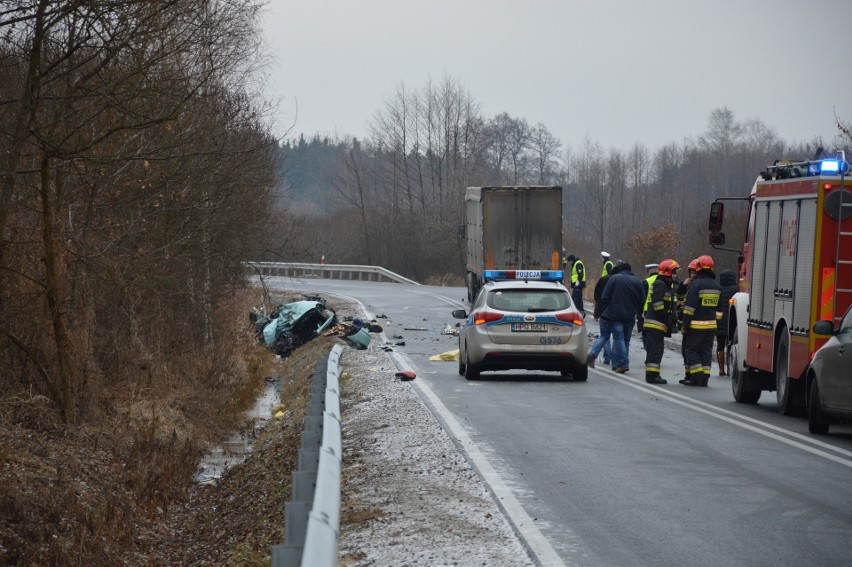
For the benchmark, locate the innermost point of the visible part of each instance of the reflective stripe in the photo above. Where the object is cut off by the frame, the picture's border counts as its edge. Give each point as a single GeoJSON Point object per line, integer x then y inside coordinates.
{"type": "Point", "coordinates": [652, 368]}
{"type": "Point", "coordinates": [688, 310]}
{"type": "Point", "coordinates": [651, 324]}
{"type": "Point", "coordinates": [703, 325]}
{"type": "Point", "coordinates": [709, 297]}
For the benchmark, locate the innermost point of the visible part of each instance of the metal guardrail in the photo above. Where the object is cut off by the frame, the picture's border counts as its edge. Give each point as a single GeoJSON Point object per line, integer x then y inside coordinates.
{"type": "Point", "coordinates": [330, 271]}
{"type": "Point", "coordinates": [312, 517]}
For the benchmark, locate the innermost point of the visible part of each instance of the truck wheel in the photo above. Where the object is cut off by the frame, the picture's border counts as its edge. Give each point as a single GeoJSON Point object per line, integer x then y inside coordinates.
{"type": "Point", "coordinates": [783, 387]}
{"type": "Point", "coordinates": [740, 380]}
{"type": "Point", "coordinates": [817, 423]}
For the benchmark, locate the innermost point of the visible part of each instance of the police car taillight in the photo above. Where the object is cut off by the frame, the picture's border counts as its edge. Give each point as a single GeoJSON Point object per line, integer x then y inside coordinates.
{"type": "Point", "coordinates": [482, 317]}
{"type": "Point", "coordinates": [572, 317]}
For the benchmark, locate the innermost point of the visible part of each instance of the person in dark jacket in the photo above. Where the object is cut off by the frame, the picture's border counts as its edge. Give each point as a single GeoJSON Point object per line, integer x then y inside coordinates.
{"type": "Point", "coordinates": [605, 337]}
{"type": "Point", "coordinates": [700, 315]}
{"type": "Point", "coordinates": [622, 301]}
{"type": "Point", "coordinates": [728, 281]}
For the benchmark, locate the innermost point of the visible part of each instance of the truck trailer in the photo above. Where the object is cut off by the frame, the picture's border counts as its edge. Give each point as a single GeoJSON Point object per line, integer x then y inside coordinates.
{"type": "Point", "coordinates": [511, 228]}
{"type": "Point", "coordinates": [795, 268]}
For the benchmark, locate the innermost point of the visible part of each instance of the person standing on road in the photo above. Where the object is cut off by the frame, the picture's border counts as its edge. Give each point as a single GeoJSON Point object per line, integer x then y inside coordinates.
{"type": "Point", "coordinates": [578, 282]}
{"type": "Point", "coordinates": [681, 289]}
{"type": "Point", "coordinates": [607, 264]}
{"type": "Point", "coordinates": [647, 284]}
{"type": "Point", "coordinates": [660, 319]}
{"type": "Point", "coordinates": [700, 315]}
{"type": "Point", "coordinates": [622, 302]}
{"type": "Point", "coordinates": [604, 338]}
{"type": "Point", "coordinates": [728, 281]}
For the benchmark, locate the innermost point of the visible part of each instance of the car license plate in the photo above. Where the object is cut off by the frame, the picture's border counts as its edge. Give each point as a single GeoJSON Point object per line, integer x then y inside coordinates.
{"type": "Point", "coordinates": [529, 327]}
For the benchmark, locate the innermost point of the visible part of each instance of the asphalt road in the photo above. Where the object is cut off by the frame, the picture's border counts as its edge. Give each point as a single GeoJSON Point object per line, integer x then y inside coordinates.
{"type": "Point", "coordinates": [614, 471]}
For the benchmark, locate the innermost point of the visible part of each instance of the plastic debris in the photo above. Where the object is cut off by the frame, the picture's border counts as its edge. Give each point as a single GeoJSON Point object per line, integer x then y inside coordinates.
{"type": "Point", "coordinates": [448, 356]}
{"type": "Point", "coordinates": [406, 375]}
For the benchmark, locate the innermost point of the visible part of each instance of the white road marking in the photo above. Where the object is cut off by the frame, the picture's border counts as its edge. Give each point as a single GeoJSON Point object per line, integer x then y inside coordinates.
{"type": "Point", "coordinates": [793, 439]}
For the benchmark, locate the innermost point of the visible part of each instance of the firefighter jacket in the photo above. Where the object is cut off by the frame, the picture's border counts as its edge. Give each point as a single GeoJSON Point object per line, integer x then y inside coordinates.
{"type": "Point", "coordinates": [578, 275]}
{"type": "Point", "coordinates": [649, 284]}
{"type": "Point", "coordinates": [661, 308]}
{"type": "Point", "coordinates": [701, 306]}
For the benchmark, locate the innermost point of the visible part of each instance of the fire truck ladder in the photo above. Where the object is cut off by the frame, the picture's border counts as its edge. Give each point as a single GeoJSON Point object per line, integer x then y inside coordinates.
{"type": "Point", "coordinates": [844, 211]}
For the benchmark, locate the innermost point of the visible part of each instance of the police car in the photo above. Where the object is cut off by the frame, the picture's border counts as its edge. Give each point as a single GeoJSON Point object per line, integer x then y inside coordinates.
{"type": "Point", "coordinates": [523, 319]}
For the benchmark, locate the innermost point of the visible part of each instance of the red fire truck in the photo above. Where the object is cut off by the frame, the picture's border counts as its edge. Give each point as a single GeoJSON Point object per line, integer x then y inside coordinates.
{"type": "Point", "coordinates": [795, 268]}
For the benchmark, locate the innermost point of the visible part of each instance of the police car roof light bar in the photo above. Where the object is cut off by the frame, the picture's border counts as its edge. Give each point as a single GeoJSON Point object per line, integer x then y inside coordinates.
{"type": "Point", "coordinates": [543, 275]}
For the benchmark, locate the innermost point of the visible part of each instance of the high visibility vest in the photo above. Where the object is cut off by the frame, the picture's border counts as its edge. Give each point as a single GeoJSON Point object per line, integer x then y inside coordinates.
{"type": "Point", "coordinates": [606, 268]}
{"type": "Point", "coordinates": [650, 280]}
{"type": "Point", "coordinates": [576, 278]}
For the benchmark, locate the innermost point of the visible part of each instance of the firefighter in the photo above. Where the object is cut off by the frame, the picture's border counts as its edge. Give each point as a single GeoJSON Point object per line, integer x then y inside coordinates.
{"type": "Point", "coordinates": [700, 314]}
{"type": "Point", "coordinates": [660, 318]}
{"type": "Point", "coordinates": [578, 282]}
{"type": "Point", "coordinates": [651, 270]}
{"type": "Point", "coordinates": [681, 289]}
{"type": "Point", "coordinates": [607, 264]}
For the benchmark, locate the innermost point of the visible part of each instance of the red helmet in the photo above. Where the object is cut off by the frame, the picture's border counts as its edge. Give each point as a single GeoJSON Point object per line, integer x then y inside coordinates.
{"type": "Point", "coordinates": [693, 265]}
{"type": "Point", "coordinates": [705, 262]}
{"type": "Point", "coordinates": [667, 267]}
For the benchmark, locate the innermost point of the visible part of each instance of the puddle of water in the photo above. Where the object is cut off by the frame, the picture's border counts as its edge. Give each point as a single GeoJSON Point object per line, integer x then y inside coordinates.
{"type": "Point", "coordinates": [220, 458]}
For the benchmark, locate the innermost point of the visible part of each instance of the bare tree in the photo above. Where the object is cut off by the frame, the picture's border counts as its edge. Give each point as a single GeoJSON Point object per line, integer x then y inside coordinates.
{"type": "Point", "coordinates": [131, 141]}
{"type": "Point", "coordinates": [545, 147]}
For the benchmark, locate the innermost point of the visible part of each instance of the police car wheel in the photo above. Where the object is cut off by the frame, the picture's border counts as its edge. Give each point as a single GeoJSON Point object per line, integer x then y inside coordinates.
{"type": "Point", "coordinates": [578, 373]}
{"type": "Point", "coordinates": [471, 371]}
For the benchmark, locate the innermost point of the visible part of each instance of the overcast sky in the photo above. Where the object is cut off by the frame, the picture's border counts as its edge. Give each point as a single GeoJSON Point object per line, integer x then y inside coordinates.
{"type": "Point", "coordinates": [619, 71]}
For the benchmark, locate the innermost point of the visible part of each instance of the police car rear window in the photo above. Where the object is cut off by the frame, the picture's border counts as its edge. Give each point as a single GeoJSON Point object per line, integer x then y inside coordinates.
{"type": "Point", "coordinates": [528, 300]}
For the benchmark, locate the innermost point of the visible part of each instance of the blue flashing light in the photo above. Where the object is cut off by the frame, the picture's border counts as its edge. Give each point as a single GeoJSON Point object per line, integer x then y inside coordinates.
{"type": "Point", "coordinates": [545, 275]}
{"type": "Point", "coordinates": [829, 166]}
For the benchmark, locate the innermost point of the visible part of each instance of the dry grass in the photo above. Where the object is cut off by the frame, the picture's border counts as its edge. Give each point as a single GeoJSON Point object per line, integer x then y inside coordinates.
{"type": "Point", "coordinates": [77, 495]}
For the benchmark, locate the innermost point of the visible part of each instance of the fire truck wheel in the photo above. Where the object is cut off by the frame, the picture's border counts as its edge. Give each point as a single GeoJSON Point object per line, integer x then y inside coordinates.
{"type": "Point", "coordinates": [740, 380]}
{"type": "Point", "coordinates": [783, 385]}
{"type": "Point", "coordinates": [817, 423]}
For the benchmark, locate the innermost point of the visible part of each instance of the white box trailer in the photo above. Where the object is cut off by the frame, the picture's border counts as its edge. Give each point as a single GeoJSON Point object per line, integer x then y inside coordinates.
{"type": "Point", "coordinates": [512, 228]}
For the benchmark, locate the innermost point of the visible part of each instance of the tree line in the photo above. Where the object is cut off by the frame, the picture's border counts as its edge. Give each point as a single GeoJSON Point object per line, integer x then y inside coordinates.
{"type": "Point", "coordinates": [396, 197]}
{"type": "Point", "coordinates": [137, 174]}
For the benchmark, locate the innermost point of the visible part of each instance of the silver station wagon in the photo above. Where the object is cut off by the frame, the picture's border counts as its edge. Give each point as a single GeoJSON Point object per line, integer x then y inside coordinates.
{"type": "Point", "coordinates": [523, 320]}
